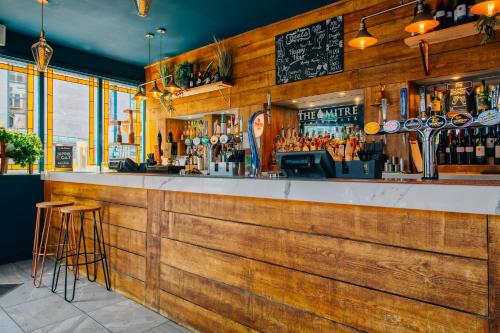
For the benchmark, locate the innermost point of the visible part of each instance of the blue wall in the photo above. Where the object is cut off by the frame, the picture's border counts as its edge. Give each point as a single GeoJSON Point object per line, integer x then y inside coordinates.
{"type": "Point", "coordinates": [18, 196]}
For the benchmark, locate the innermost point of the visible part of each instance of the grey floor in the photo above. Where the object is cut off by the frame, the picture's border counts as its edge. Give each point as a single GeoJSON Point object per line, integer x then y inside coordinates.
{"type": "Point", "coordinates": [95, 310]}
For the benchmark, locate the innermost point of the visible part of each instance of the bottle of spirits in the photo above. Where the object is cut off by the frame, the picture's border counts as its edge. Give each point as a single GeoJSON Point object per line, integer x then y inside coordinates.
{"type": "Point", "coordinates": [470, 16]}
{"type": "Point", "coordinates": [436, 103]}
{"type": "Point", "coordinates": [451, 148]}
{"type": "Point", "coordinates": [449, 14]}
{"type": "Point", "coordinates": [480, 148]}
{"type": "Point", "coordinates": [461, 157]}
{"type": "Point", "coordinates": [483, 98]}
{"type": "Point", "coordinates": [469, 148]}
{"type": "Point", "coordinates": [440, 14]}
{"type": "Point", "coordinates": [490, 143]}
{"type": "Point", "coordinates": [460, 12]}
{"type": "Point", "coordinates": [497, 147]}
{"type": "Point", "coordinates": [441, 150]}
{"type": "Point", "coordinates": [191, 80]}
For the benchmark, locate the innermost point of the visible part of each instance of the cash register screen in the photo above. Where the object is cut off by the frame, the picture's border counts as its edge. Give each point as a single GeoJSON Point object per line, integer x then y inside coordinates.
{"type": "Point", "coordinates": [311, 164]}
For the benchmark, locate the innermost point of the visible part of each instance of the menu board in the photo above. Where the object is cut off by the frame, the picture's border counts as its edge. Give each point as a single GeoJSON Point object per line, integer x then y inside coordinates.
{"type": "Point", "coordinates": [460, 93]}
{"type": "Point", "coordinates": [309, 52]}
{"type": "Point", "coordinates": [64, 157]}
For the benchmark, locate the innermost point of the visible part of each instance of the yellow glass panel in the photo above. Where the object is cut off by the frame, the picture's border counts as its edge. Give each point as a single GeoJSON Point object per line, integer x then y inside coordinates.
{"type": "Point", "coordinates": [91, 121]}
{"type": "Point", "coordinates": [50, 119]}
{"type": "Point", "coordinates": [31, 98]}
{"type": "Point", "coordinates": [105, 122]}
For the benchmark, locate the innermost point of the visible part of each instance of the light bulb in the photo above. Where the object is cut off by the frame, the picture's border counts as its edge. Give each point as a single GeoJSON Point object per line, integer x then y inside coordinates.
{"type": "Point", "coordinates": [421, 28]}
{"type": "Point", "coordinates": [491, 9]}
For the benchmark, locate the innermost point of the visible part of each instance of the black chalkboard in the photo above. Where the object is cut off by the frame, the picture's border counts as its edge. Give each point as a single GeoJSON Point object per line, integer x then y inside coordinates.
{"type": "Point", "coordinates": [309, 52]}
{"type": "Point", "coordinates": [64, 157]}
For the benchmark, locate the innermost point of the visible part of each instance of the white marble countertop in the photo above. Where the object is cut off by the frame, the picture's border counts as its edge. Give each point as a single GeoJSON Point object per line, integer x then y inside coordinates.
{"type": "Point", "coordinates": [463, 198]}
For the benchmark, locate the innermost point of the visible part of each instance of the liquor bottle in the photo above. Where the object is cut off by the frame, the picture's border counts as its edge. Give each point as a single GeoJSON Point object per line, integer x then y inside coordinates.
{"type": "Point", "coordinates": [191, 80]}
{"type": "Point", "coordinates": [483, 98]}
{"type": "Point", "coordinates": [440, 14]}
{"type": "Point", "coordinates": [451, 148]}
{"type": "Point", "coordinates": [490, 143]}
{"type": "Point", "coordinates": [460, 12]}
{"type": "Point", "coordinates": [441, 150]}
{"type": "Point", "coordinates": [449, 14]}
{"type": "Point", "coordinates": [461, 157]}
{"type": "Point", "coordinates": [469, 148]}
{"type": "Point", "coordinates": [436, 103]}
{"type": "Point", "coordinates": [470, 16]}
{"type": "Point", "coordinates": [497, 147]}
{"type": "Point", "coordinates": [480, 148]}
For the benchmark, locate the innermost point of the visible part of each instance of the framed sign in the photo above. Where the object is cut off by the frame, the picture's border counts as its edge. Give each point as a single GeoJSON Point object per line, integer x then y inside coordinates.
{"type": "Point", "coordinates": [333, 115]}
{"type": "Point", "coordinates": [309, 52]}
{"type": "Point", "coordinates": [64, 157]}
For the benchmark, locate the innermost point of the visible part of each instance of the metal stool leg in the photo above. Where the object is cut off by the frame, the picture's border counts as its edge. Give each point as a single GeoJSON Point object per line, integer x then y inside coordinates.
{"type": "Point", "coordinates": [42, 245]}
{"type": "Point", "coordinates": [59, 253]}
{"type": "Point", "coordinates": [102, 251]}
{"type": "Point", "coordinates": [35, 241]}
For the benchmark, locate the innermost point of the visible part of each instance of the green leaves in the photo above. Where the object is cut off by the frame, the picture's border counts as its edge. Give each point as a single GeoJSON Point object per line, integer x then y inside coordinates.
{"type": "Point", "coordinates": [486, 25]}
{"type": "Point", "coordinates": [27, 147]}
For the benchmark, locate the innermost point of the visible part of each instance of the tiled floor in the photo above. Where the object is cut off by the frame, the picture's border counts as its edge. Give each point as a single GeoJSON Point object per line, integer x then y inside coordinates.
{"type": "Point", "coordinates": [95, 310]}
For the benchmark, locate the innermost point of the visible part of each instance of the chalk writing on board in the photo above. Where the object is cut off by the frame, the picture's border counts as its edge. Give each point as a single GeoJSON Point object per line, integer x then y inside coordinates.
{"type": "Point", "coordinates": [309, 52]}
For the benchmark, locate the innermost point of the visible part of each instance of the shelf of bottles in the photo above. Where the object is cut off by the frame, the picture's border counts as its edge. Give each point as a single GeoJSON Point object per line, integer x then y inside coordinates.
{"type": "Point", "coordinates": [218, 153]}
{"type": "Point", "coordinates": [457, 124]}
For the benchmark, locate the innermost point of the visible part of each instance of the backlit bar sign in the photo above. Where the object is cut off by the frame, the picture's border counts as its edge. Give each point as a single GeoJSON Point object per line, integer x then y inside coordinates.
{"type": "Point", "coordinates": [333, 115]}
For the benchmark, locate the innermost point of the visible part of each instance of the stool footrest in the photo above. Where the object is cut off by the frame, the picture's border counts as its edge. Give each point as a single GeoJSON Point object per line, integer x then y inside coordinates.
{"type": "Point", "coordinates": [96, 258]}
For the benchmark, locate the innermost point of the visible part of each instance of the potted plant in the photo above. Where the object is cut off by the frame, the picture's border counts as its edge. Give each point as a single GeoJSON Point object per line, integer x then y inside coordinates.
{"type": "Point", "coordinates": [224, 61]}
{"type": "Point", "coordinates": [6, 138]}
{"type": "Point", "coordinates": [182, 74]}
{"type": "Point", "coordinates": [27, 149]}
{"type": "Point", "coordinates": [166, 98]}
{"type": "Point", "coordinates": [486, 25]}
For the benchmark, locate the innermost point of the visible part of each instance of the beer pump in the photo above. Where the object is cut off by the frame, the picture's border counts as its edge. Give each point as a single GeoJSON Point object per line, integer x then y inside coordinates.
{"type": "Point", "coordinates": [255, 131]}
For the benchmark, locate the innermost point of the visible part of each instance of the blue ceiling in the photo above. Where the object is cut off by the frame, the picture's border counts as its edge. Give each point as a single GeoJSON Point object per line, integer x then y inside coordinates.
{"type": "Point", "coordinates": [112, 29]}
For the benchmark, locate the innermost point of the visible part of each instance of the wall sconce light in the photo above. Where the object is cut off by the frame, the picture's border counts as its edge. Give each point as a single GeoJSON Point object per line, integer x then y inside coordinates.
{"type": "Point", "coordinates": [421, 23]}
{"type": "Point", "coordinates": [487, 8]}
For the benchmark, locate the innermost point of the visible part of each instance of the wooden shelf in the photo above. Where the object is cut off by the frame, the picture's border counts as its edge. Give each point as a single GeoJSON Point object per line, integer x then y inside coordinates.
{"type": "Point", "coordinates": [472, 169]}
{"type": "Point", "coordinates": [439, 36]}
{"type": "Point", "coordinates": [216, 86]}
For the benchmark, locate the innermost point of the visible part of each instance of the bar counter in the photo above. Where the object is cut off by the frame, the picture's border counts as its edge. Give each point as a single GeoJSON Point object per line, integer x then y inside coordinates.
{"type": "Point", "coordinates": [249, 255]}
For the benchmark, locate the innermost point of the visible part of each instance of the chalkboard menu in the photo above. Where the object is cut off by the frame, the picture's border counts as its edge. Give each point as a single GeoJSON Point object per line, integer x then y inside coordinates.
{"type": "Point", "coordinates": [460, 95]}
{"type": "Point", "coordinates": [309, 52]}
{"type": "Point", "coordinates": [64, 157]}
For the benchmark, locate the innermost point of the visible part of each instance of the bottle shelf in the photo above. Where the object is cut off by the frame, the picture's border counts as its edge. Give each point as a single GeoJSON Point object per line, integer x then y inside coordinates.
{"type": "Point", "coordinates": [444, 35]}
{"type": "Point", "coordinates": [468, 168]}
{"type": "Point", "coordinates": [216, 86]}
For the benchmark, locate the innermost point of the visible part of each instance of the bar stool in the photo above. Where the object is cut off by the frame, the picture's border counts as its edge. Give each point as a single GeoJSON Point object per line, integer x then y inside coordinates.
{"type": "Point", "coordinates": [66, 258]}
{"type": "Point", "coordinates": [40, 242]}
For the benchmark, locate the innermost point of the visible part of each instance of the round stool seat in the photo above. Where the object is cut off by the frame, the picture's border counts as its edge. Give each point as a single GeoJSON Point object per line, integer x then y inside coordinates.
{"type": "Point", "coordinates": [80, 209]}
{"type": "Point", "coordinates": [53, 204]}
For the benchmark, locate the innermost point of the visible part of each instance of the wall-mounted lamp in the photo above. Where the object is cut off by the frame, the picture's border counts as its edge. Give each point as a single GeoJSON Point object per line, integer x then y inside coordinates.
{"type": "Point", "coordinates": [421, 23]}
{"type": "Point", "coordinates": [487, 8]}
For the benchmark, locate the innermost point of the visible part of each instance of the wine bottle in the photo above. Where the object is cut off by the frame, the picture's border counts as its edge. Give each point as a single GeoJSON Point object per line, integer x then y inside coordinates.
{"type": "Point", "coordinates": [470, 16]}
{"type": "Point", "coordinates": [461, 157]}
{"type": "Point", "coordinates": [483, 98]}
{"type": "Point", "coordinates": [436, 103]}
{"type": "Point", "coordinates": [490, 143]}
{"type": "Point", "coordinates": [449, 14]}
{"type": "Point", "coordinates": [440, 14]}
{"type": "Point", "coordinates": [460, 12]}
{"type": "Point", "coordinates": [441, 150]}
{"type": "Point", "coordinates": [469, 148]}
{"type": "Point", "coordinates": [497, 147]}
{"type": "Point", "coordinates": [480, 148]}
{"type": "Point", "coordinates": [451, 148]}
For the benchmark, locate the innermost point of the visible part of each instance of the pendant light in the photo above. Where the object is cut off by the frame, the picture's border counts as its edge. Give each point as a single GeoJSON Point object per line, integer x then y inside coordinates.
{"type": "Point", "coordinates": [155, 91]}
{"type": "Point", "coordinates": [142, 7]}
{"type": "Point", "coordinates": [42, 52]}
{"type": "Point", "coordinates": [487, 8]}
{"type": "Point", "coordinates": [140, 95]}
{"type": "Point", "coordinates": [171, 87]}
{"type": "Point", "coordinates": [423, 21]}
{"type": "Point", "coordinates": [363, 38]}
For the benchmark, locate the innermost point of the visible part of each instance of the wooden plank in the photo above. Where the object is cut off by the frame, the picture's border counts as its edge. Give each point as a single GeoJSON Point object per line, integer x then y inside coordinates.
{"type": "Point", "coordinates": [114, 194]}
{"type": "Point", "coordinates": [125, 239]}
{"type": "Point", "coordinates": [494, 272]}
{"type": "Point", "coordinates": [155, 203]}
{"type": "Point", "coordinates": [457, 282]}
{"type": "Point", "coordinates": [196, 317]}
{"type": "Point", "coordinates": [459, 234]}
{"type": "Point", "coordinates": [247, 309]}
{"type": "Point", "coordinates": [355, 306]}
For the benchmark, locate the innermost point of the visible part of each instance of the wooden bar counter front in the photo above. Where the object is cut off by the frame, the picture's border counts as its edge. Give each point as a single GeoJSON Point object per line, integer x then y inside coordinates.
{"type": "Point", "coordinates": [219, 263]}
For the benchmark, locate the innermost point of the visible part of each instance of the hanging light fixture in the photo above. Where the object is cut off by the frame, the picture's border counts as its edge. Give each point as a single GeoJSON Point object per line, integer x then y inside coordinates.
{"type": "Point", "coordinates": [140, 95]}
{"type": "Point", "coordinates": [487, 8]}
{"type": "Point", "coordinates": [363, 38]}
{"type": "Point", "coordinates": [42, 52]}
{"type": "Point", "coordinates": [142, 7]}
{"type": "Point", "coordinates": [171, 87]}
{"type": "Point", "coordinates": [423, 21]}
{"type": "Point", "coordinates": [155, 91]}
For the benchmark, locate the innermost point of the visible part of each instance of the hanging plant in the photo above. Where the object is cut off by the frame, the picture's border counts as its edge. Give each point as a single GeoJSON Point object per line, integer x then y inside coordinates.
{"type": "Point", "coordinates": [166, 98]}
{"type": "Point", "coordinates": [224, 61]}
{"type": "Point", "coordinates": [486, 25]}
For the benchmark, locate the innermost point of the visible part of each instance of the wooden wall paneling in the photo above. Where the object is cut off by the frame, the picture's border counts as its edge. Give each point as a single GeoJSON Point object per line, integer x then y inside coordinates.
{"type": "Point", "coordinates": [494, 272]}
{"type": "Point", "coordinates": [450, 233]}
{"type": "Point", "coordinates": [358, 307]}
{"type": "Point", "coordinates": [196, 317]}
{"type": "Point", "coordinates": [457, 282]}
{"type": "Point", "coordinates": [124, 196]}
{"type": "Point", "coordinates": [155, 204]}
{"type": "Point", "coordinates": [245, 308]}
